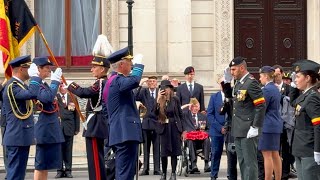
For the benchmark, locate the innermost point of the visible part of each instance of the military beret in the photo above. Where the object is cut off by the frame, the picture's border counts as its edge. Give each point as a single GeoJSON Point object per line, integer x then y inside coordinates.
{"type": "Point", "coordinates": [306, 65]}
{"type": "Point", "coordinates": [119, 55]}
{"type": "Point", "coordinates": [188, 70]}
{"type": "Point", "coordinates": [22, 61]}
{"type": "Point", "coordinates": [266, 69]}
{"type": "Point", "coordinates": [153, 77]}
{"type": "Point", "coordinates": [165, 83]}
{"type": "Point", "coordinates": [236, 61]}
{"type": "Point", "coordinates": [42, 61]}
{"type": "Point", "coordinates": [100, 61]}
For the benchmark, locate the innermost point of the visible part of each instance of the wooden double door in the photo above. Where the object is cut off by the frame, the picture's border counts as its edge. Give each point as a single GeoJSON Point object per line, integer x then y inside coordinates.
{"type": "Point", "coordinates": [269, 32]}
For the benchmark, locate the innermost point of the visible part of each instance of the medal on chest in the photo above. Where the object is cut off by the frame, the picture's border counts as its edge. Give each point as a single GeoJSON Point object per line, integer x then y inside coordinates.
{"type": "Point", "coordinates": [241, 95]}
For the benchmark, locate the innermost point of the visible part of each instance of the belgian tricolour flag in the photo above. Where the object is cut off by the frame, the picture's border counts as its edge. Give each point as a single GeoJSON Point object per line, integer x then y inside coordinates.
{"type": "Point", "coordinates": [16, 26]}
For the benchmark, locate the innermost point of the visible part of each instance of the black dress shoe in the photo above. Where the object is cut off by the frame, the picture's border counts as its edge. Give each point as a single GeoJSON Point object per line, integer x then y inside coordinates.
{"type": "Point", "coordinates": [194, 170]}
{"type": "Point", "coordinates": [213, 178]}
{"type": "Point", "coordinates": [68, 175]}
{"type": "Point", "coordinates": [207, 168]}
{"type": "Point", "coordinates": [173, 176]}
{"type": "Point", "coordinates": [143, 173]}
{"type": "Point", "coordinates": [59, 175]}
{"type": "Point", "coordinates": [163, 176]}
{"type": "Point", "coordinates": [156, 173]}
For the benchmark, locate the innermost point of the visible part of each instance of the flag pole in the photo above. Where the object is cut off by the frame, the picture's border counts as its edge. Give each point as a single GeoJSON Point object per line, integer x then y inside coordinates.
{"type": "Point", "coordinates": [62, 77]}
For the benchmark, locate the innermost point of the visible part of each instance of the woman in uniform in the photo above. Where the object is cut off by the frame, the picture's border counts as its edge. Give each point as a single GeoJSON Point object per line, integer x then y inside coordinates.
{"type": "Point", "coordinates": [169, 127]}
{"type": "Point", "coordinates": [306, 139]}
{"type": "Point", "coordinates": [269, 141]}
{"type": "Point", "coordinates": [47, 131]}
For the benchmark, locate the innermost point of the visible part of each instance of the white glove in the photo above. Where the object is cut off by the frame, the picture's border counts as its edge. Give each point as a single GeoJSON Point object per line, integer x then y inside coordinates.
{"type": "Point", "coordinates": [56, 76]}
{"type": "Point", "coordinates": [253, 132]}
{"type": "Point", "coordinates": [137, 59]}
{"type": "Point", "coordinates": [33, 70]}
{"type": "Point", "coordinates": [293, 78]}
{"type": "Point", "coordinates": [317, 157]}
{"type": "Point", "coordinates": [227, 75]}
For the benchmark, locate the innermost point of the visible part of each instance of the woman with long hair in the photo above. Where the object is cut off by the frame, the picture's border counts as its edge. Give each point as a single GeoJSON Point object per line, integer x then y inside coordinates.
{"type": "Point", "coordinates": [169, 127]}
{"type": "Point", "coordinates": [269, 141]}
{"type": "Point", "coordinates": [306, 139]}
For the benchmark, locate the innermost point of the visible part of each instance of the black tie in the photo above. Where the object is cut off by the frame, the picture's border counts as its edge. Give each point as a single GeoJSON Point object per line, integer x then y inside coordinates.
{"type": "Point", "coordinates": [190, 88]}
{"type": "Point", "coordinates": [194, 119]}
{"type": "Point", "coordinates": [152, 95]}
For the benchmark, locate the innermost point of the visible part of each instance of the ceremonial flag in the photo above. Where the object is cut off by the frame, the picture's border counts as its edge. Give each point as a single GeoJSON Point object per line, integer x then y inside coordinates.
{"type": "Point", "coordinates": [16, 26]}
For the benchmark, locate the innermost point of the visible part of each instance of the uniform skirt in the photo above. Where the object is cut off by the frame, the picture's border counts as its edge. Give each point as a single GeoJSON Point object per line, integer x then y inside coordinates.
{"type": "Point", "coordinates": [170, 140]}
{"type": "Point", "coordinates": [269, 142]}
{"type": "Point", "coordinates": [48, 156]}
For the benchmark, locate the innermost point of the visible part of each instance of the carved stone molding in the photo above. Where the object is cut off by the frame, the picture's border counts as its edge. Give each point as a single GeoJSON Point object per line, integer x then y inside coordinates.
{"type": "Point", "coordinates": [223, 34]}
{"type": "Point", "coordinates": [110, 21]}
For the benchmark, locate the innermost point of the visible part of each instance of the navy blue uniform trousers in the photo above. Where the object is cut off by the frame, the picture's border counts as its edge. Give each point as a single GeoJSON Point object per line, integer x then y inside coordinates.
{"type": "Point", "coordinates": [17, 162]}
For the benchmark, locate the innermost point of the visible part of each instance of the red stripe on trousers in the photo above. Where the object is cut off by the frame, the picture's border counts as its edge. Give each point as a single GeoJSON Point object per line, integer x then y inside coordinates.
{"type": "Point", "coordinates": [96, 158]}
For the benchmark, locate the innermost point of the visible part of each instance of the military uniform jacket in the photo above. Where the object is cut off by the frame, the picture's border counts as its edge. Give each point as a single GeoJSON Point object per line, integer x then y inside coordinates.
{"type": "Point", "coordinates": [273, 122]}
{"type": "Point", "coordinates": [248, 106]}
{"type": "Point", "coordinates": [306, 138]}
{"type": "Point", "coordinates": [98, 124]}
{"type": "Point", "coordinates": [70, 121]}
{"type": "Point", "coordinates": [124, 119]}
{"type": "Point", "coordinates": [150, 119]}
{"type": "Point", "coordinates": [47, 128]}
{"type": "Point", "coordinates": [184, 94]}
{"type": "Point", "coordinates": [19, 132]}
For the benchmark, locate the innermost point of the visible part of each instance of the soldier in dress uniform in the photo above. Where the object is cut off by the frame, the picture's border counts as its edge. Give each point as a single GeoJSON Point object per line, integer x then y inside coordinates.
{"type": "Point", "coordinates": [18, 110]}
{"type": "Point", "coordinates": [125, 126]}
{"type": "Point", "coordinates": [248, 114]}
{"type": "Point", "coordinates": [48, 134]}
{"type": "Point", "coordinates": [96, 126]}
{"type": "Point", "coordinates": [306, 139]}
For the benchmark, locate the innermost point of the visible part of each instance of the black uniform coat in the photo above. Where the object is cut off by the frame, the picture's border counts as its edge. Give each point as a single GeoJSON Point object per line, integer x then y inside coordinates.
{"type": "Point", "coordinates": [306, 138]}
{"type": "Point", "coordinates": [150, 119]}
{"type": "Point", "coordinates": [184, 95]}
{"type": "Point", "coordinates": [248, 106]}
{"type": "Point", "coordinates": [98, 125]}
{"type": "Point", "coordinates": [70, 120]}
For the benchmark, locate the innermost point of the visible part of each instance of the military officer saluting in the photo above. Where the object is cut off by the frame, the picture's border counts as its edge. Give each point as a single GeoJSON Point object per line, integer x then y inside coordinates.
{"type": "Point", "coordinates": [248, 114]}
{"type": "Point", "coordinates": [96, 126]}
{"type": "Point", "coordinates": [18, 111]}
{"type": "Point", "coordinates": [306, 139]}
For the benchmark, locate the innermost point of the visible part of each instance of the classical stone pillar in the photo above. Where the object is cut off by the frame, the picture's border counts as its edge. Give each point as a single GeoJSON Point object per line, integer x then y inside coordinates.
{"type": "Point", "coordinates": [144, 32]}
{"type": "Point", "coordinates": [313, 30]}
{"type": "Point", "coordinates": [179, 35]}
{"type": "Point", "coordinates": [110, 21]}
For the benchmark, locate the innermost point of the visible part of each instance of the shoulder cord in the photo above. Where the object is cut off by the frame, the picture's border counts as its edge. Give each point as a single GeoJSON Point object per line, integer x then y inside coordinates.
{"type": "Point", "coordinates": [100, 93]}
{"type": "Point", "coordinates": [14, 106]}
{"type": "Point", "coordinates": [40, 107]}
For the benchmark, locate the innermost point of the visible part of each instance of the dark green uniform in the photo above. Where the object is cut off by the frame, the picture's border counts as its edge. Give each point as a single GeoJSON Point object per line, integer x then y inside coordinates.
{"type": "Point", "coordinates": [248, 110]}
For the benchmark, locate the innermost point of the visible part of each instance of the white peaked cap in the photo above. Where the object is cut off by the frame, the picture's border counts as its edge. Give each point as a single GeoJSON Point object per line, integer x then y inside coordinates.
{"type": "Point", "coordinates": [102, 47]}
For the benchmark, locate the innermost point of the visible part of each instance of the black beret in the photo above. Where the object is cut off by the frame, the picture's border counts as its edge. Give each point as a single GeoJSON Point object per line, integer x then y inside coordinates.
{"type": "Point", "coordinates": [23, 61]}
{"type": "Point", "coordinates": [266, 69]}
{"type": "Point", "coordinates": [236, 61]}
{"type": "Point", "coordinates": [188, 70]}
{"type": "Point", "coordinates": [306, 65]}
{"type": "Point", "coordinates": [42, 61]}
{"type": "Point", "coordinates": [100, 61]}
{"type": "Point", "coordinates": [119, 55]}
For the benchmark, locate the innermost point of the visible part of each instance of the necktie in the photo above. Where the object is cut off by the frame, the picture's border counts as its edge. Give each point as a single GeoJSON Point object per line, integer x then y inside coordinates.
{"type": "Point", "coordinates": [63, 99]}
{"type": "Point", "coordinates": [190, 88]}
{"type": "Point", "coordinates": [152, 95]}
{"type": "Point", "coordinates": [194, 120]}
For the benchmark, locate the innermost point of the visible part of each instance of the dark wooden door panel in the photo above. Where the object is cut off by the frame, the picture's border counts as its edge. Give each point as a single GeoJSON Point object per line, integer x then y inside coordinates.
{"type": "Point", "coordinates": [269, 32]}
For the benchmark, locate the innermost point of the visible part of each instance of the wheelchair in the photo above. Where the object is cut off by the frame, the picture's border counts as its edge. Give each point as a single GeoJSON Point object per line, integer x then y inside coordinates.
{"type": "Point", "coordinates": [184, 161]}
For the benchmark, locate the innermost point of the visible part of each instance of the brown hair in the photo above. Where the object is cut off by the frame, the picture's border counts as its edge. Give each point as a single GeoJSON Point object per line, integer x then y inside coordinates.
{"type": "Point", "coordinates": [163, 106]}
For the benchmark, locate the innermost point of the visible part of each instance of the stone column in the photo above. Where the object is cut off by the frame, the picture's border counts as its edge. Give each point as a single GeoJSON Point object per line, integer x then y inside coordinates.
{"type": "Point", "coordinates": [110, 21]}
{"type": "Point", "coordinates": [179, 35]}
{"type": "Point", "coordinates": [144, 32]}
{"type": "Point", "coordinates": [223, 35]}
{"type": "Point", "coordinates": [313, 30]}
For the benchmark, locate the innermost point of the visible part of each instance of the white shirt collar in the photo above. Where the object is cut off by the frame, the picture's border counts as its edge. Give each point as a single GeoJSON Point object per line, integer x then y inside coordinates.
{"type": "Point", "coordinates": [18, 79]}
{"type": "Point", "coordinates": [188, 83]}
{"type": "Point", "coordinates": [244, 77]}
{"type": "Point", "coordinates": [307, 89]}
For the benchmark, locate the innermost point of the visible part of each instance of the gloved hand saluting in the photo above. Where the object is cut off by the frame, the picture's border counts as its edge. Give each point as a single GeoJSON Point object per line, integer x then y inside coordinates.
{"type": "Point", "coordinates": [33, 70]}
{"type": "Point", "coordinates": [137, 59]}
{"type": "Point", "coordinates": [317, 157]}
{"type": "Point", "coordinates": [56, 75]}
{"type": "Point", "coordinates": [253, 132]}
{"type": "Point", "coordinates": [227, 75]}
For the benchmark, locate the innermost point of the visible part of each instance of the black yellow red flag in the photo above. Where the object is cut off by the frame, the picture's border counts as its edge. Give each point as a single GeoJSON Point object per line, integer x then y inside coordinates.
{"type": "Point", "coordinates": [17, 25]}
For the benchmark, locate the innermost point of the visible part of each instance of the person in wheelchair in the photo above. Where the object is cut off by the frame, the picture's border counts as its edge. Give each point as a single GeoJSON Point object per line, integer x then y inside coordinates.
{"type": "Point", "coordinates": [196, 136]}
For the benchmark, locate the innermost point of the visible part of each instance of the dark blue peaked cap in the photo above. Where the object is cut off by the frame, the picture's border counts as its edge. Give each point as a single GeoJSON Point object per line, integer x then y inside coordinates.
{"type": "Point", "coordinates": [266, 69]}
{"type": "Point", "coordinates": [42, 61]}
{"type": "Point", "coordinates": [306, 65]}
{"type": "Point", "coordinates": [23, 61]}
{"type": "Point", "coordinates": [119, 55]}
